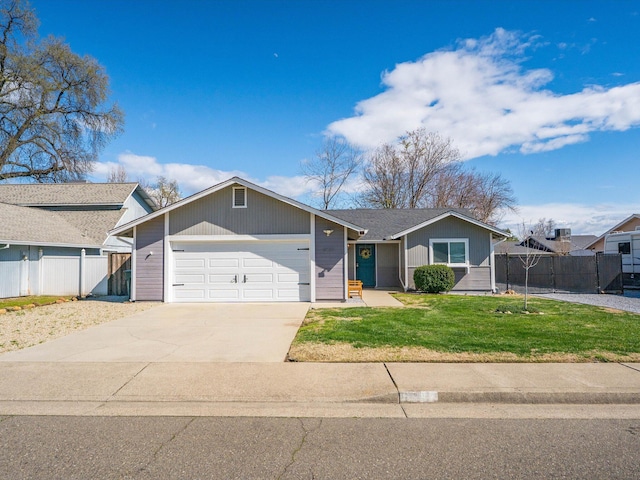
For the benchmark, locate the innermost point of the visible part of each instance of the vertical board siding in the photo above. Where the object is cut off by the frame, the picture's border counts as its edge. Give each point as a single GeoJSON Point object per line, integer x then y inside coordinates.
{"type": "Point", "coordinates": [10, 266]}
{"type": "Point", "coordinates": [450, 227]}
{"type": "Point", "coordinates": [388, 271]}
{"type": "Point", "coordinates": [479, 276]}
{"type": "Point", "coordinates": [477, 280]}
{"type": "Point", "coordinates": [150, 267]}
{"type": "Point", "coordinates": [330, 281]}
{"type": "Point", "coordinates": [214, 215]}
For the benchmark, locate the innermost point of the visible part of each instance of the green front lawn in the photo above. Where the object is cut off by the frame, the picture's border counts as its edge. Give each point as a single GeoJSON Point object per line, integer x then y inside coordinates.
{"type": "Point", "coordinates": [31, 300]}
{"type": "Point", "coordinates": [460, 328]}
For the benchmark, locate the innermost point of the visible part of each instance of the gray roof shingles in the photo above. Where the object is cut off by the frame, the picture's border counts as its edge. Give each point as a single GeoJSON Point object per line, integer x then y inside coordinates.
{"type": "Point", "coordinates": [38, 194]}
{"type": "Point", "coordinates": [383, 223]}
{"type": "Point", "coordinates": [24, 225]}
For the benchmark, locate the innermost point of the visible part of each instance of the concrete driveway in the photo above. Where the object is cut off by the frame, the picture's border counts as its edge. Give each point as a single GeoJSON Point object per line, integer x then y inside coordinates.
{"type": "Point", "coordinates": [180, 333]}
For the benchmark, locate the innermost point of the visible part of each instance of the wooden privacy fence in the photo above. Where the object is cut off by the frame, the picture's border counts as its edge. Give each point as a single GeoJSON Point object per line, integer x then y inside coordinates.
{"type": "Point", "coordinates": [589, 274]}
{"type": "Point", "coordinates": [119, 264]}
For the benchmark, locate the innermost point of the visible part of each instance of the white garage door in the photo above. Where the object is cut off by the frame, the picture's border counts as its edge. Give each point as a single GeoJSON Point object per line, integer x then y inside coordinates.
{"type": "Point", "coordinates": [259, 271]}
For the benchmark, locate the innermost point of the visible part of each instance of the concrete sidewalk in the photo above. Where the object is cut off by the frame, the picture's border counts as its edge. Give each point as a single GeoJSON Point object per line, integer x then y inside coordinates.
{"type": "Point", "coordinates": [305, 389]}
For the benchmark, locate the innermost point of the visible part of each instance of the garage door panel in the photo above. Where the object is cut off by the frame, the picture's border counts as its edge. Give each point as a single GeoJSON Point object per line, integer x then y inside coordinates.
{"type": "Point", "coordinates": [224, 262]}
{"type": "Point", "coordinates": [224, 278]}
{"type": "Point", "coordinates": [257, 263]}
{"type": "Point", "coordinates": [189, 294]}
{"type": "Point", "coordinates": [241, 271]}
{"type": "Point", "coordinates": [223, 294]}
{"type": "Point", "coordinates": [289, 293]}
{"type": "Point", "coordinates": [289, 278]}
{"type": "Point", "coordinates": [258, 294]}
{"type": "Point", "coordinates": [190, 262]}
{"type": "Point", "coordinates": [189, 278]}
{"type": "Point", "coordinates": [253, 278]}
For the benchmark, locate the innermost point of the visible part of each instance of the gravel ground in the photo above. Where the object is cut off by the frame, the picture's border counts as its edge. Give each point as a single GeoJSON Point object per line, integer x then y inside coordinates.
{"type": "Point", "coordinates": [630, 302]}
{"type": "Point", "coordinates": [26, 328]}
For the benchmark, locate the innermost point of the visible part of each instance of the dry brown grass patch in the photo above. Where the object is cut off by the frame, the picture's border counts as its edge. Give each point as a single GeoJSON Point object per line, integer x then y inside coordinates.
{"type": "Point", "coordinates": [346, 353]}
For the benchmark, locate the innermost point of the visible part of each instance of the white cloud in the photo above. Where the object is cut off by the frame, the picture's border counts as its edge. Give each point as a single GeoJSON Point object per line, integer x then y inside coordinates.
{"type": "Point", "coordinates": [480, 95]}
{"type": "Point", "coordinates": [580, 218]}
{"type": "Point", "coordinates": [194, 178]}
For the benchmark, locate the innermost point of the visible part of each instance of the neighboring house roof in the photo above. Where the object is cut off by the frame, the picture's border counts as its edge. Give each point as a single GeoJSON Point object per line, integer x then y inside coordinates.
{"type": "Point", "coordinates": [390, 224]}
{"type": "Point", "coordinates": [125, 229]}
{"type": "Point", "coordinates": [516, 248]}
{"type": "Point", "coordinates": [33, 226]}
{"type": "Point", "coordinates": [71, 194]}
{"type": "Point", "coordinates": [95, 224]}
{"type": "Point", "coordinates": [622, 226]}
{"type": "Point", "coordinates": [87, 211]}
{"type": "Point", "coordinates": [571, 244]}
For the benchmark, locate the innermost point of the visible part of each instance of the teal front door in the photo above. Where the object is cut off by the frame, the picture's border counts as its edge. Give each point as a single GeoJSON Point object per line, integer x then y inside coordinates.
{"type": "Point", "coordinates": [366, 264]}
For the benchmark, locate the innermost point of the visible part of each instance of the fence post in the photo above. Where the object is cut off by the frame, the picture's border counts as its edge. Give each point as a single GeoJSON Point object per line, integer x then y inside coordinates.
{"type": "Point", "coordinates": [82, 271]}
{"type": "Point", "coordinates": [507, 270]}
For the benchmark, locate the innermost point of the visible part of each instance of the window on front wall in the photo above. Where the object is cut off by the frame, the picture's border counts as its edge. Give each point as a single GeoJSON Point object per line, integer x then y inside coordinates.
{"type": "Point", "coordinates": [239, 197]}
{"type": "Point", "coordinates": [624, 248]}
{"type": "Point", "coordinates": [454, 251]}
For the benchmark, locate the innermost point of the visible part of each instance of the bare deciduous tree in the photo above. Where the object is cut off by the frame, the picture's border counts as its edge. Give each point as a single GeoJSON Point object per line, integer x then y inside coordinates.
{"type": "Point", "coordinates": [163, 191]}
{"type": "Point", "coordinates": [53, 118]}
{"type": "Point", "coordinates": [384, 178]}
{"type": "Point", "coordinates": [529, 260]}
{"type": "Point", "coordinates": [117, 175]}
{"type": "Point", "coordinates": [544, 227]}
{"type": "Point", "coordinates": [330, 169]}
{"type": "Point", "coordinates": [424, 170]}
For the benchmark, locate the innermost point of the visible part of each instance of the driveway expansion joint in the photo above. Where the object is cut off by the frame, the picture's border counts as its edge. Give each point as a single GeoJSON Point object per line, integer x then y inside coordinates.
{"type": "Point", "coordinates": [629, 366]}
{"type": "Point", "coordinates": [112, 397]}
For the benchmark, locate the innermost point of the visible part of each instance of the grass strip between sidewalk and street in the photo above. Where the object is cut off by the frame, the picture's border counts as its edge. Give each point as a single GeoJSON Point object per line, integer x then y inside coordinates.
{"type": "Point", "coordinates": [466, 328]}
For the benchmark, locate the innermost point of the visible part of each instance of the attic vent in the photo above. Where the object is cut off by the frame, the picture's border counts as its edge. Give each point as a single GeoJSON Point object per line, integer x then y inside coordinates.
{"type": "Point", "coordinates": [239, 197]}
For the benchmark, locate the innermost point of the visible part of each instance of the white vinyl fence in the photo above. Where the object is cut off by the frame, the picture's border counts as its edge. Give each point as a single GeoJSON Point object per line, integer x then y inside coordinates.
{"type": "Point", "coordinates": [63, 275]}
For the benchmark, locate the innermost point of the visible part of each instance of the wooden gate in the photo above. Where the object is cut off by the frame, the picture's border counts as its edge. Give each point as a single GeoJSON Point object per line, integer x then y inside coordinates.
{"type": "Point", "coordinates": [119, 272]}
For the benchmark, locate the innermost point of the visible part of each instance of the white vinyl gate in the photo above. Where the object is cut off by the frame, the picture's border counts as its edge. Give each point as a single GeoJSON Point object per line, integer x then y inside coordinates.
{"type": "Point", "coordinates": [249, 271]}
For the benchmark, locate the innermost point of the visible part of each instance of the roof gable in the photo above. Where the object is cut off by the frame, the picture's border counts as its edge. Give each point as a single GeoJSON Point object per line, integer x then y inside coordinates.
{"type": "Point", "coordinates": [391, 224]}
{"type": "Point", "coordinates": [236, 181]}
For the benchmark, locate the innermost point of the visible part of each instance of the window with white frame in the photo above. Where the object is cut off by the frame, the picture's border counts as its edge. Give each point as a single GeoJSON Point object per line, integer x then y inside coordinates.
{"type": "Point", "coordinates": [239, 197]}
{"type": "Point", "coordinates": [449, 251]}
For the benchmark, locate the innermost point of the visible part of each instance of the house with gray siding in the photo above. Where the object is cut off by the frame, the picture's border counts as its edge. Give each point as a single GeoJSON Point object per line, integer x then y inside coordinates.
{"type": "Point", "coordinates": [239, 242]}
{"type": "Point", "coordinates": [54, 237]}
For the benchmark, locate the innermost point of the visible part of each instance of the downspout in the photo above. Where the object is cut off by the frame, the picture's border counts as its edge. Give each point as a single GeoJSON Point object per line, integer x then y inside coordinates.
{"type": "Point", "coordinates": [492, 260]}
{"type": "Point", "coordinates": [404, 287]}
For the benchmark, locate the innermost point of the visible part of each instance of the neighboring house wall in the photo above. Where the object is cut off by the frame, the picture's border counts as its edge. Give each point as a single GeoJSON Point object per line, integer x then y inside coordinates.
{"type": "Point", "coordinates": [214, 215]}
{"type": "Point", "coordinates": [330, 281]}
{"type": "Point", "coordinates": [479, 275]}
{"type": "Point", "coordinates": [387, 271]}
{"type": "Point", "coordinates": [149, 260]}
{"type": "Point", "coordinates": [134, 207]}
{"type": "Point", "coordinates": [627, 227]}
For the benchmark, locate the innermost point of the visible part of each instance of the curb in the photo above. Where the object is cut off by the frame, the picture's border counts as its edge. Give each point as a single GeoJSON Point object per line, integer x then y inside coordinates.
{"type": "Point", "coordinates": [531, 398]}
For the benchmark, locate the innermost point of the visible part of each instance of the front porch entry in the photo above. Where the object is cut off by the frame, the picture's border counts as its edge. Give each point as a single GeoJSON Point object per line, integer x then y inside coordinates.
{"type": "Point", "coordinates": [366, 264]}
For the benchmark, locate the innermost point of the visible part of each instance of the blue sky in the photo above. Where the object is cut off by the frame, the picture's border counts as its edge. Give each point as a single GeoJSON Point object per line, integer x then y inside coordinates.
{"type": "Point", "coordinates": [546, 93]}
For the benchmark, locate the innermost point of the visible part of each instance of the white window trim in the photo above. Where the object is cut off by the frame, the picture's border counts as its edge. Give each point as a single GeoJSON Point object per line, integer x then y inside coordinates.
{"type": "Point", "coordinates": [450, 240]}
{"type": "Point", "coordinates": [233, 197]}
